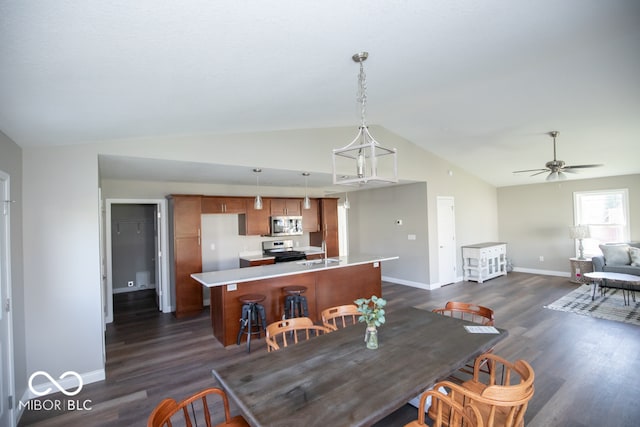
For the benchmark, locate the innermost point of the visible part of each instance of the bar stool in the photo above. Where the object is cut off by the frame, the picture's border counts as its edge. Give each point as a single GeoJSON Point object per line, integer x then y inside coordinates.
{"type": "Point", "coordinates": [295, 305]}
{"type": "Point", "coordinates": [253, 316]}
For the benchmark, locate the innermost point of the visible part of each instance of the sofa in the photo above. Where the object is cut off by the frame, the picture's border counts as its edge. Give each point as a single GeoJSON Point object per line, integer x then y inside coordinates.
{"type": "Point", "coordinates": [618, 258]}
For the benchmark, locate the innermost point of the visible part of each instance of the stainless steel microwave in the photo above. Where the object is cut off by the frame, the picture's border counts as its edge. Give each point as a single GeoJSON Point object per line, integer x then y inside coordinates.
{"type": "Point", "coordinates": [286, 225]}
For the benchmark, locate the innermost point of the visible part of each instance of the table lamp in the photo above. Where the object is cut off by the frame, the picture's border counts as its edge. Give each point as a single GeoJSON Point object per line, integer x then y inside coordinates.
{"type": "Point", "coordinates": [579, 232]}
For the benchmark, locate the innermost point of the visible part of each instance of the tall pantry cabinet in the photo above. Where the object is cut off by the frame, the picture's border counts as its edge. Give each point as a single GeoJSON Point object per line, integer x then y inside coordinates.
{"type": "Point", "coordinates": [186, 252]}
{"type": "Point", "coordinates": [328, 227]}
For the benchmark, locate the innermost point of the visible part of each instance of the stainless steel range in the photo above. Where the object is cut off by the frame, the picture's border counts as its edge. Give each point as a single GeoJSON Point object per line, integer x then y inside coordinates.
{"type": "Point", "coordinates": [282, 250]}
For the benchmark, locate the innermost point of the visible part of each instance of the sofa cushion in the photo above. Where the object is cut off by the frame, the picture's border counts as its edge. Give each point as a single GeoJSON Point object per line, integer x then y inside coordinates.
{"type": "Point", "coordinates": [616, 254]}
{"type": "Point", "coordinates": [622, 269]}
{"type": "Point", "coordinates": [634, 253]}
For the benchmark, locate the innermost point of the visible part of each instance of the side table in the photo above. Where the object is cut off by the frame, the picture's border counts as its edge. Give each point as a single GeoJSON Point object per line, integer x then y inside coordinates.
{"type": "Point", "coordinates": [578, 268]}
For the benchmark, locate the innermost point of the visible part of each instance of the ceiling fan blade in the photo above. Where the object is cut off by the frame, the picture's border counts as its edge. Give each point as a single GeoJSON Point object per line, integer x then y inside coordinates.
{"type": "Point", "coordinates": [582, 166]}
{"type": "Point", "coordinates": [555, 167]}
{"type": "Point", "coordinates": [531, 170]}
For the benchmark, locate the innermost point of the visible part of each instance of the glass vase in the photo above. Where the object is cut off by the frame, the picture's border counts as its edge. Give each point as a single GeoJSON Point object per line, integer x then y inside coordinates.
{"type": "Point", "coordinates": [371, 337]}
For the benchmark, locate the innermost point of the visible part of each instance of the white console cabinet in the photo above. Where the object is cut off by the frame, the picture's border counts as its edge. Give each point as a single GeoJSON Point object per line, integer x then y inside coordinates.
{"type": "Point", "coordinates": [484, 261]}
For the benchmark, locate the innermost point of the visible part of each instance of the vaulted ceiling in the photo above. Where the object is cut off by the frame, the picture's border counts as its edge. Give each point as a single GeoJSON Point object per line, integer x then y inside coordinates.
{"type": "Point", "coordinates": [479, 83]}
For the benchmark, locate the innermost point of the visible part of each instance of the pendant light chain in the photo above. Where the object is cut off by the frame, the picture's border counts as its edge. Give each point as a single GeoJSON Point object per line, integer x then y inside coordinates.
{"type": "Point", "coordinates": [361, 95]}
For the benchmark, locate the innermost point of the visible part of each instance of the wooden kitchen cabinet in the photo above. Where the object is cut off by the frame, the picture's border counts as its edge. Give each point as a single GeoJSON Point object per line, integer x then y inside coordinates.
{"type": "Point", "coordinates": [186, 253]}
{"type": "Point", "coordinates": [254, 222]}
{"type": "Point", "coordinates": [286, 207]}
{"type": "Point", "coordinates": [217, 205]}
{"type": "Point", "coordinates": [328, 227]}
{"type": "Point", "coordinates": [311, 218]}
{"type": "Point", "coordinates": [256, 262]}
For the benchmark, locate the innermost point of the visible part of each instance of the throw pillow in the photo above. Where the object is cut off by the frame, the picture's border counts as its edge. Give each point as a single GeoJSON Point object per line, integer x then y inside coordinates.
{"type": "Point", "coordinates": [616, 254]}
{"type": "Point", "coordinates": [635, 256]}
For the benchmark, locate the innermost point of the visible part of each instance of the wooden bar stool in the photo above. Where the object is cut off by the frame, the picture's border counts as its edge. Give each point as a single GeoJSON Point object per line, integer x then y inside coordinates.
{"type": "Point", "coordinates": [295, 304]}
{"type": "Point", "coordinates": [253, 319]}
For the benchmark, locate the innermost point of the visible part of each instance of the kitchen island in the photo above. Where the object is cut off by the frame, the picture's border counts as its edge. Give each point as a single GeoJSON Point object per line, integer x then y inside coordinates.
{"type": "Point", "coordinates": [329, 282]}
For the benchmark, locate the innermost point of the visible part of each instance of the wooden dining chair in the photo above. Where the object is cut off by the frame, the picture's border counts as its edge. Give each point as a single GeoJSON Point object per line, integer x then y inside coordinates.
{"type": "Point", "coordinates": [508, 384]}
{"type": "Point", "coordinates": [448, 409]}
{"type": "Point", "coordinates": [194, 410]}
{"type": "Point", "coordinates": [466, 311]}
{"type": "Point", "coordinates": [290, 331]}
{"type": "Point", "coordinates": [340, 316]}
{"type": "Point", "coordinates": [471, 313]}
{"type": "Point", "coordinates": [502, 396]}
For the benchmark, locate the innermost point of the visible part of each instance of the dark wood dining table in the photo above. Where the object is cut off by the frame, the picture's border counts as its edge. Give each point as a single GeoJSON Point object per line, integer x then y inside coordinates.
{"type": "Point", "coordinates": [334, 380]}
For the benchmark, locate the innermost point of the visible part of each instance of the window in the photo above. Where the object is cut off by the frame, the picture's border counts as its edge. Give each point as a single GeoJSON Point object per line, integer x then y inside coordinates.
{"type": "Point", "coordinates": [606, 212]}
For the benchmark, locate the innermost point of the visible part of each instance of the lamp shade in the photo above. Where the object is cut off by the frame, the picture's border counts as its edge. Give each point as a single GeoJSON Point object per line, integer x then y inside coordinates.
{"type": "Point", "coordinates": [579, 232]}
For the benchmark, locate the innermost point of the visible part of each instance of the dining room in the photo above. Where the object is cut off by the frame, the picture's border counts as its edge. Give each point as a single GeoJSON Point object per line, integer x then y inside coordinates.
{"type": "Point", "coordinates": [569, 354]}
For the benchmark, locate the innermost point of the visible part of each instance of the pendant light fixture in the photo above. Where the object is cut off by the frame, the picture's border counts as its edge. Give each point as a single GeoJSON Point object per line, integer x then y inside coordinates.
{"type": "Point", "coordinates": [370, 157]}
{"type": "Point", "coordinates": [306, 204]}
{"type": "Point", "coordinates": [257, 202]}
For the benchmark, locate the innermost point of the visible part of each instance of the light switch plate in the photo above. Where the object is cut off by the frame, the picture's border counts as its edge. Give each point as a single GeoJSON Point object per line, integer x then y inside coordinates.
{"type": "Point", "coordinates": [232, 287]}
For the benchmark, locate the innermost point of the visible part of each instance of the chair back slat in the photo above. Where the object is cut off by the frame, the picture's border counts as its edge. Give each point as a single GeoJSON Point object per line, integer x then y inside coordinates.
{"type": "Point", "coordinates": [340, 316]}
{"type": "Point", "coordinates": [196, 409]}
{"type": "Point", "coordinates": [283, 332]}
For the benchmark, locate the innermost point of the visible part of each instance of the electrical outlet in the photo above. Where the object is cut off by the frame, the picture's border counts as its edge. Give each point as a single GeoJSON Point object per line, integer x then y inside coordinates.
{"type": "Point", "coordinates": [130, 283]}
{"type": "Point", "coordinates": [541, 258]}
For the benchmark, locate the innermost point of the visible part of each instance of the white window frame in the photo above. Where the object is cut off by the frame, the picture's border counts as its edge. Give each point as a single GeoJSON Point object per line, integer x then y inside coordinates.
{"type": "Point", "coordinates": [591, 244]}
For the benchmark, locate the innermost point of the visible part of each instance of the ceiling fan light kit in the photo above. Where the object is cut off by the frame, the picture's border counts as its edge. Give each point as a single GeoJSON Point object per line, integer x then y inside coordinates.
{"type": "Point", "coordinates": [555, 167]}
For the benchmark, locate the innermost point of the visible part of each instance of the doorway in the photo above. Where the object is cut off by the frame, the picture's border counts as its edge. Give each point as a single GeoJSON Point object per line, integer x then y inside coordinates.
{"type": "Point", "coordinates": [446, 240]}
{"type": "Point", "coordinates": [136, 248]}
{"type": "Point", "coordinates": [6, 325]}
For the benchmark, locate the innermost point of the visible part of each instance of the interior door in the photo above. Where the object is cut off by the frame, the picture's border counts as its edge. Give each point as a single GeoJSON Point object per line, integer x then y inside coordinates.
{"type": "Point", "coordinates": [446, 240]}
{"type": "Point", "coordinates": [6, 339]}
{"type": "Point", "coordinates": [158, 252]}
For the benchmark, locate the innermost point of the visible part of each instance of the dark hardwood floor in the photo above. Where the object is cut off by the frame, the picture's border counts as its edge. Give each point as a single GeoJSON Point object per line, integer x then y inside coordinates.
{"type": "Point", "coordinates": [587, 370]}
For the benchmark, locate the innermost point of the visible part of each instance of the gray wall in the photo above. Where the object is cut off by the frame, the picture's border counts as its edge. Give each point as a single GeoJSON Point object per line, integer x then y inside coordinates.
{"type": "Point", "coordinates": [534, 220]}
{"type": "Point", "coordinates": [11, 163]}
{"type": "Point", "coordinates": [133, 246]}
{"type": "Point", "coordinates": [373, 229]}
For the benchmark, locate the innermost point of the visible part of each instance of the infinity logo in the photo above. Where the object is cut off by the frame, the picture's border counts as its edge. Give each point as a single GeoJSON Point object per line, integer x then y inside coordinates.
{"type": "Point", "coordinates": [54, 382]}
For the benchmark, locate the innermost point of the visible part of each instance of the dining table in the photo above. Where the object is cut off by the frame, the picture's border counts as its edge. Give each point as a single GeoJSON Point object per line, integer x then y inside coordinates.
{"type": "Point", "coordinates": [334, 380]}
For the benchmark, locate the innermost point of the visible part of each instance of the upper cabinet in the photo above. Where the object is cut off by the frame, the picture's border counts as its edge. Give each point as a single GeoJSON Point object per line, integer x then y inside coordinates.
{"type": "Point", "coordinates": [254, 222]}
{"type": "Point", "coordinates": [311, 218]}
{"type": "Point", "coordinates": [217, 205]}
{"type": "Point", "coordinates": [287, 207]}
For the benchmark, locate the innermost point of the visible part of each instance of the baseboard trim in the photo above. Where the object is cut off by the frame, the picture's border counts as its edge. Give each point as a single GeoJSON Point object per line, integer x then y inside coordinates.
{"type": "Point", "coordinates": [87, 378]}
{"type": "Point", "coordinates": [542, 272]}
{"type": "Point", "coordinates": [420, 285]}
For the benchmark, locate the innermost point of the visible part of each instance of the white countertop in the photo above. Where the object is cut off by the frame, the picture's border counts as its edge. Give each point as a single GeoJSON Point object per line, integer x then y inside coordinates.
{"type": "Point", "coordinates": [238, 275]}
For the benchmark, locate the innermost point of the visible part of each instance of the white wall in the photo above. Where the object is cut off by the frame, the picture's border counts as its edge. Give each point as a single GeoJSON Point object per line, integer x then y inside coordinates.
{"type": "Point", "coordinates": [61, 262]}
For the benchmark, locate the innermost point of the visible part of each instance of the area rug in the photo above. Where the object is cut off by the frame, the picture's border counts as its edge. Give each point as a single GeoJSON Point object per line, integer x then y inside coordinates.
{"type": "Point", "coordinates": [609, 306]}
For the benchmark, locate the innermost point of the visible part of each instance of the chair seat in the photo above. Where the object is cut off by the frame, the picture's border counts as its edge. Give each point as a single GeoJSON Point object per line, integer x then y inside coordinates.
{"type": "Point", "coordinates": [294, 289]}
{"type": "Point", "coordinates": [251, 298]}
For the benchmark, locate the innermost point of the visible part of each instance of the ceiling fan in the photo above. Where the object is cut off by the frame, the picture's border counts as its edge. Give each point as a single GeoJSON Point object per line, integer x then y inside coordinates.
{"type": "Point", "coordinates": [556, 168]}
